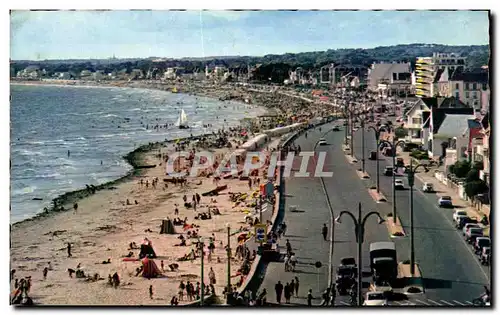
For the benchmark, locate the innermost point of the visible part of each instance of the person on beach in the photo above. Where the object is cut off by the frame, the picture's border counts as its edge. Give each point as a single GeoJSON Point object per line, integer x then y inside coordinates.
{"type": "Point", "coordinates": [69, 250]}
{"type": "Point", "coordinates": [75, 207]}
{"type": "Point", "coordinates": [162, 266]}
{"type": "Point", "coordinates": [69, 153]}
{"type": "Point", "coordinates": [182, 286]}
{"type": "Point", "coordinates": [151, 292]}
{"type": "Point", "coordinates": [45, 272]}
{"type": "Point", "coordinates": [324, 231]}
{"type": "Point", "coordinates": [198, 198]}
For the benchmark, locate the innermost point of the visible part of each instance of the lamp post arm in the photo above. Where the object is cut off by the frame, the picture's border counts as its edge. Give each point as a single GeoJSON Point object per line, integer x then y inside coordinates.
{"type": "Point", "coordinates": [369, 214]}
{"type": "Point", "coordinates": [356, 223]}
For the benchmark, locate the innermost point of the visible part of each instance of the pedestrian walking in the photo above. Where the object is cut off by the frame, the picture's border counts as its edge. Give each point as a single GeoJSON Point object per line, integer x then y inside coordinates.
{"type": "Point", "coordinates": [309, 297]}
{"type": "Point", "coordinates": [287, 292]}
{"type": "Point", "coordinates": [296, 286]}
{"type": "Point", "coordinates": [45, 272]}
{"type": "Point", "coordinates": [288, 247]}
{"type": "Point", "coordinates": [69, 250]}
{"type": "Point", "coordinates": [287, 263]}
{"type": "Point", "coordinates": [292, 287]}
{"type": "Point", "coordinates": [75, 207]}
{"type": "Point", "coordinates": [324, 231]}
{"type": "Point", "coordinates": [151, 292]}
{"type": "Point", "coordinates": [279, 290]}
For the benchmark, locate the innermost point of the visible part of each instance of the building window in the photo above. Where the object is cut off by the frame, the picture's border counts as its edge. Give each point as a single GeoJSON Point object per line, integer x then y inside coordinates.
{"type": "Point", "coordinates": [474, 86]}
{"type": "Point", "coordinates": [467, 94]}
{"type": "Point", "coordinates": [416, 121]}
{"type": "Point", "coordinates": [474, 94]}
{"type": "Point", "coordinates": [457, 94]}
{"type": "Point", "coordinates": [467, 86]}
{"type": "Point", "coordinates": [485, 86]}
{"type": "Point", "coordinates": [395, 76]}
{"type": "Point", "coordinates": [457, 86]}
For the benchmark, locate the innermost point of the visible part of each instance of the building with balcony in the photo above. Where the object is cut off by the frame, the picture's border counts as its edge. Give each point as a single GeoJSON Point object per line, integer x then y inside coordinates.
{"type": "Point", "coordinates": [426, 71]}
{"type": "Point", "coordinates": [481, 149]}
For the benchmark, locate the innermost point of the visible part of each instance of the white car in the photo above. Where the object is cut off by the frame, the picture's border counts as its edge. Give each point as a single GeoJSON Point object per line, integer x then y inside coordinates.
{"type": "Point", "coordinates": [322, 141]}
{"type": "Point", "coordinates": [459, 213]}
{"type": "Point", "coordinates": [445, 202]}
{"type": "Point", "coordinates": [375, 299]}
{"type": "Point", "coordinates": [428, 187]}
{"type": "Point", "coordinates": [398, 184]}
{"type": "Point", "coordinates": [469, 226]}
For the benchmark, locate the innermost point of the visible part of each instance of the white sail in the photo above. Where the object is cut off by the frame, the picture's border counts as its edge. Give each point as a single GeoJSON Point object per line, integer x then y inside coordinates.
{"type": "Point", "coordinates": [182, 120]}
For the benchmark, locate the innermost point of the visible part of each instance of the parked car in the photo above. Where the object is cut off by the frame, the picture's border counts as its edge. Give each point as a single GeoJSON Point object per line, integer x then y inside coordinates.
{"type": "Point", "coordinates": [373, 155]}
{"type": "Point", "coordinates": [399, 185]}
{"type": "Point", "coordinates": [348, 261]}
{"type": "Point", "coordinates": [375, 299]}
{"type": "Point", "coordinates": [322, 141]}
{"type": "Point", "coordinates": [472, 234]}
{"type": "Point", "coordinates": [428, 187]}
{"type": "Point", "coordinates": [457, 213]}
{"type": "Point", "coordinates": [462, 221]}
{"type": "Point", "coordinates": [480, 243]}
{"type": "Point", "coordinates": [485, 256]}
{"type": "Point", "coordinates": [445, 202]}
{"type": "Point", "coordinates": [388, 171]}
{"type": "Point", "coordinates": [335, 128]}
{"type": "Point", "coordinates": [467, 226]}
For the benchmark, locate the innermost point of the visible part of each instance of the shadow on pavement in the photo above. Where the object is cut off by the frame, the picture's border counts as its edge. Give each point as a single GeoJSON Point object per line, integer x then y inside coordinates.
{"type": "Point", "coordinates": [432, 283]}
{"type": "Point", "coordinates": [304, 272]}
{"type": "Point", "coordinates": [294, 236]}
{"type": "Point", "coordinates": [429, 228]}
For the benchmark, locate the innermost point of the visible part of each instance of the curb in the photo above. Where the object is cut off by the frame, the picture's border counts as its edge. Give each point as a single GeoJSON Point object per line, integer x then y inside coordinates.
{"type": "Point", "coordinates": [378, 197]}
{"type": "Point", "coordinates": [350, 159]}
{"type": "Point", "coordinates": [390, 222]}
{"type": "Point", "coordinates": [417, 282]}
{"type": "Point", "coordinates": [362, 175]}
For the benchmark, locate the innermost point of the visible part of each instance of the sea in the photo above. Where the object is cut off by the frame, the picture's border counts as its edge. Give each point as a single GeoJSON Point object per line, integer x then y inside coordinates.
{"type": "Point", "coordinates": [64, 137]}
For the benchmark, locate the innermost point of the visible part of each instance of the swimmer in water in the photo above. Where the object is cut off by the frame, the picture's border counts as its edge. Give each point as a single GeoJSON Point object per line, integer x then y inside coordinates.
{"type": "Point", "coordinates": [69, 153]}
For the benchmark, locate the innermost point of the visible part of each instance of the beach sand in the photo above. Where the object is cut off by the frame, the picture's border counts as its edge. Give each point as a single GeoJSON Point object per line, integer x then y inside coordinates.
{"type": "Point", "coordinates": [102, 229]}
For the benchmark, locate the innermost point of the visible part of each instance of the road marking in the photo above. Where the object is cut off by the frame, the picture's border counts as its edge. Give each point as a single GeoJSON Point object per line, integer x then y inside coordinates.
{"type": "Point", "coordinates": [344, 303]}
{"type": "Point", "coordinates": [425, 303]}
{"type": "Point", "coordinates": [469, 302]}
{"type": "Point", "coordinates": [447, 302]}
{"type": "Point", "coordinates": [432, 301]}
{"type": "Point", "coordinates": [398, 303]}
{"type": "Point", "coordinates": [460, 303]}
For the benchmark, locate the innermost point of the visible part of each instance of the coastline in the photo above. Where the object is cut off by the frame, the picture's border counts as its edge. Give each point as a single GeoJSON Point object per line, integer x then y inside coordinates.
{"type": "Point", "coordinates": [134, 158]}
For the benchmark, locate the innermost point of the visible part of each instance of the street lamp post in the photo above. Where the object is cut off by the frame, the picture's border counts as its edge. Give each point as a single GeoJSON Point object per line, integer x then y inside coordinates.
{"type": "Point", "coordinates": [393, 145]}
{"type": "Point", "coordinates": [377, 138]}
{"type": "Point", "coordinates": [411, 182]}
{"type": "Point", "coordinates": [228, 259]}
{"type": "Point", "coordinates": [359, 227]}
{"type": "Point", "coordinates": [201, 248]}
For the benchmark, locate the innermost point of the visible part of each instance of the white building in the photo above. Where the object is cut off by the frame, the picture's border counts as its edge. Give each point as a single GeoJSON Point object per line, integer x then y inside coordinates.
{"type": "Point", "coordinates": [389, 79]}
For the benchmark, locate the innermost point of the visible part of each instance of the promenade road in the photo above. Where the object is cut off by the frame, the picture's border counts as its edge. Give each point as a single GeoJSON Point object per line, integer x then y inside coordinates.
{"type": "Point", "coordinates": [451, 271]}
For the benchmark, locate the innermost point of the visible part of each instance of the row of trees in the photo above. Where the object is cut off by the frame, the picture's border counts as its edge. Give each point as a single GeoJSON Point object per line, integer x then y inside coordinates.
{"type": "Point", "coordinates": [275, 67]}
{"type": "Point", "coordinates": [470, 173]}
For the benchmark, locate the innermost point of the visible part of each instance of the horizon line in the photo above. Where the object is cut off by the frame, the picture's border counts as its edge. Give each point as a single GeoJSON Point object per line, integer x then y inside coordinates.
{"type": "Point", "coordinates": [241, 56]}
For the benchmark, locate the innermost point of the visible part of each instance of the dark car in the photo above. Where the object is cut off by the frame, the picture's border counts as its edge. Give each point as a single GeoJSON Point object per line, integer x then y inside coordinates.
{"type": "Point", "coordinates": [345, 278]}
{"type": "Point", "coordinates": [373, 155]}
{"type": "Point", "coordinates": [348, 261]}
{"type": "Point", "coordinates": [388, 171]}
{"type": "Point", "coordinates": [336, 128]}
{"type": "Point", "coordinates": [463, 221]}
{"type": "Point", "coordinates": [480, 243]}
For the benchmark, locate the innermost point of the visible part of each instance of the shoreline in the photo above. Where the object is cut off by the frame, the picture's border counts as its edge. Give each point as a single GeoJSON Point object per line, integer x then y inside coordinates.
{"type": "Point", "coordinates": [133, 158]}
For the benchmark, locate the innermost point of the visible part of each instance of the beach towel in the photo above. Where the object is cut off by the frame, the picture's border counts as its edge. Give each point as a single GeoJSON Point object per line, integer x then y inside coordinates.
{"type": "Point", "coordinates": [130, 259]}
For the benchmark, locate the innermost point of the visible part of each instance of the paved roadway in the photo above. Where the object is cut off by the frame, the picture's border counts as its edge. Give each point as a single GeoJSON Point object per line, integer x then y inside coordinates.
{"type": "Point", "coordinates": [451, 271]}
{"type": "Point", "coordinates": [304, 228]}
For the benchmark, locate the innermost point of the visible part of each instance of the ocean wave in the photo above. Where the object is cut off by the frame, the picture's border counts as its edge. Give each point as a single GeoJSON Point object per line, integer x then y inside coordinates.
{"type": "Point", "coordinates": [28, 152]}
{"type": "Point", "coordinates": [109, 115]}
{"type": "Point", "coordinates": [135, 109]}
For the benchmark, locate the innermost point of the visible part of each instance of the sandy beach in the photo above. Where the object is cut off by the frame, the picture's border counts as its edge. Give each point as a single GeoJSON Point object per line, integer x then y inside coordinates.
{"type": "Point", "coordinates": [104, 225]}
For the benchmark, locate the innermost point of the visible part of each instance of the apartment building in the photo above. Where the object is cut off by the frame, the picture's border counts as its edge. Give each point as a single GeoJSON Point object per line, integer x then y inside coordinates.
{"type": "Point", "coordinates": [426, 69]}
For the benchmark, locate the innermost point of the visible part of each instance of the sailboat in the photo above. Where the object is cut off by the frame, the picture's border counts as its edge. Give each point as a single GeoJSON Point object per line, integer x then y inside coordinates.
{"type": "Point", "coordinates": [182, 120]}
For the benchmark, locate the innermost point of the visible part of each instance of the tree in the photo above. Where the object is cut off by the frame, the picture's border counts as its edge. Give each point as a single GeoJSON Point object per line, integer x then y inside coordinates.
{"type": "Point", "coordinates": [478, 166]}
{"type": "Point", "coordinates": [461, 169]}
{"type": "Point", "coordinates": [472, 175]}
{"type": "Point", "coordinates": [474, 188]}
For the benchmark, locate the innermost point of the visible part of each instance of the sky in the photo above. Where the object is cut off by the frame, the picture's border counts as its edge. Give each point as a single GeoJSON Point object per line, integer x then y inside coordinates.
{"type": "Point", "coordinates": [38, 35]}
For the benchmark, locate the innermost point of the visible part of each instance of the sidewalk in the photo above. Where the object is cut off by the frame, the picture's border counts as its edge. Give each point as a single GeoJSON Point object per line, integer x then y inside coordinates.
{"type": "Point", "coordinates": [444, 190]}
